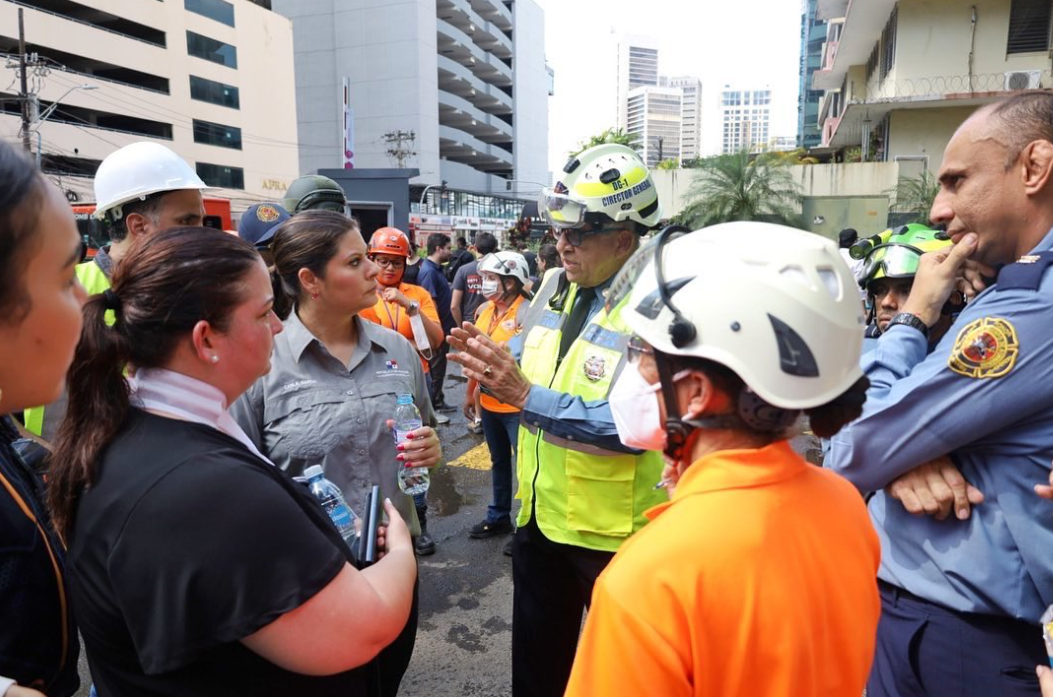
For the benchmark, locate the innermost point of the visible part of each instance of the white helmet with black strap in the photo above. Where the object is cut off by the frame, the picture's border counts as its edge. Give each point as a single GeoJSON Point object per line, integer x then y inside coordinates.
{"type": "Point", "coordinates": [136, 172]}
{"type": "Point", "coordinates": [775, 305]}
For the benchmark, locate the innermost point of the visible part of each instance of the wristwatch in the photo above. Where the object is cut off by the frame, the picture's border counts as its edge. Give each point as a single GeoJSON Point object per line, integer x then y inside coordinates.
{"type": "Point", "coordinates": [413, 308]}
{"type": "Point", "coordinates": [909, 320]}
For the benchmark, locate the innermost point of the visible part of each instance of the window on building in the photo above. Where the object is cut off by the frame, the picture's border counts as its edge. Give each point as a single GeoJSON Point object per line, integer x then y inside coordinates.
{"type": "Point", "coordinates": [219, 10]}
{"type": "Point", "coordinates": [211, 50]}
{"type": "Point", "coordinates": [221, 175]}
{"type": "Point", "coordinates": [217, 134]}
{"type": "Point", "coordinates": [214, 92]}
{"type": "Point", "coordinates": [1029, 26]}
{"type": "Point", "coordinates": [888, 43]}
{"type": "Point", "coordinates": [872, 62]}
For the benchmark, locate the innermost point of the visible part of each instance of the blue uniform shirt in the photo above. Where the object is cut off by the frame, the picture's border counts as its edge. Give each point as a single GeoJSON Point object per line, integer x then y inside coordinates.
{"type": "Point", "coordinates": [566, 416]}
{"type": "Point", "coordinates": [431, 278]}
{"type": "Point", "coordinates": [984, 396]}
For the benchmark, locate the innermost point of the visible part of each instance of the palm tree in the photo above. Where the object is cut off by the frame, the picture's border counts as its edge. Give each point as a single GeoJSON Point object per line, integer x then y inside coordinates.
{"type": "Point", "coordinates": [915, 195]}
{"type": "Point", "coordinates": [612, 135]}
{"type": "Point", "coordinates": [741, 187]}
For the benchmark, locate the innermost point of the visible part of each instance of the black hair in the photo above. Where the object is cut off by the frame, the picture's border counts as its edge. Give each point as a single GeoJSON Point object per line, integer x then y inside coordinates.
{"type": "Point", "coordinates": [308, 240]}
{"type": "Point", "coordinates": [22, 192]}
{"type": "Point", "coordinates": [847, 237]}
{"type": "Point", "coordinates": [149, 207]}
{"type": "Point", "coordinates": [437, 241]}
{"type": "Point", "coordinates": [485, 243]}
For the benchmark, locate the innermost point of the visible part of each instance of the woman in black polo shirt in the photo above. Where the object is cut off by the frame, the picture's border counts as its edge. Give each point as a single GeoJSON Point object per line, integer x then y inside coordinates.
{"type": "Point", "coordinates": [195, 566]}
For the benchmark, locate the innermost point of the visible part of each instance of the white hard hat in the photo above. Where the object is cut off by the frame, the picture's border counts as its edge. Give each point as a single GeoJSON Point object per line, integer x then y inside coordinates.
{"type": "Point", "coordinates": [505, 264]}
{"type": "Point", "coordinates": [776, 305]}
{"type": "Point", "coordinates": [138, 170]}
{"type": "Point", "coordinates": [604, 184]}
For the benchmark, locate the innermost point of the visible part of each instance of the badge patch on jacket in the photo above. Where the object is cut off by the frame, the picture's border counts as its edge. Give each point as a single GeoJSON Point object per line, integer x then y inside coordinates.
{"type": "Point", "coordinates": [595, 368]}
{"type": "Point", "coordinates": [985, 348]}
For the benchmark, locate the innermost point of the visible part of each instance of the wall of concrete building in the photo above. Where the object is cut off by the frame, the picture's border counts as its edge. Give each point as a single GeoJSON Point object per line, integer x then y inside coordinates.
{"type": "Point", "coordinates": [264, 78]}
{"type": "Point", "coordinates": [924, 132]}
{"type": "Point", "coordinates": [531, 97]}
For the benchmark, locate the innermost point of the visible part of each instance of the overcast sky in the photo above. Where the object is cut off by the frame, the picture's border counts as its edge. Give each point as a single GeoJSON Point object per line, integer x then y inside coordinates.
{"type": "Point", "coordinates": [742, 42]}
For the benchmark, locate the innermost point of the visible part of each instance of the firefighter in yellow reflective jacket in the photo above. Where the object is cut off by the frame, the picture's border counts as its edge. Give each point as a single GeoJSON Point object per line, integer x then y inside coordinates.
{"type": "Point", "coordinates": [583, 492]}
{"type": "Point", "coordinates": [140, 189]}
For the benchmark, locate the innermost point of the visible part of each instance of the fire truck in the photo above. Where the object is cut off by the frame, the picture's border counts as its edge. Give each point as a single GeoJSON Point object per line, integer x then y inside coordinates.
{"type": "Point", "coordinates": [95, 235]}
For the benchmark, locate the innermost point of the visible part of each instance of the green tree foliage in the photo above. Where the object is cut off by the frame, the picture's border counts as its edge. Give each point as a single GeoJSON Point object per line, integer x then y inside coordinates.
{"type": "Point", "coordinates": [799, 156]}
{"type": "Point", "coordinates": [914, 195]}
{"type": "Point", "coordinates": [671, 163]}
{"type": "Point", "coordinates": [612, 135]}
{"type": "Point", "coordinates": [742, 187]}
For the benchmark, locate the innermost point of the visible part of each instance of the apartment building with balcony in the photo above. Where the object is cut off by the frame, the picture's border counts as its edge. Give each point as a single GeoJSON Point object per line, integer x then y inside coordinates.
{"type": "Point", "coordinates": [899, 77]}
{"type": "Point", "coordinates": [466, 77]}
{"type": "Point", "coordinates": [813, 38]}
{"type": "Point", "coordinates": [745, 119]}
{"type": "Point", "coordinates": [211, 79]}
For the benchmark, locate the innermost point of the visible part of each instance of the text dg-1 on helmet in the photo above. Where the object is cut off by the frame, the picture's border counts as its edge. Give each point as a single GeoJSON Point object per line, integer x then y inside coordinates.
{"type": "Point", "coordinates": [897, 253]}
{"type": "Point", "coordinates": [775, 305]}
{"type": "Point", "coordinates": [314, 192]}
{"type": "Point", "coordinates": [389, 240]}
{"type": "Point", "coordinates": [505, 264]}
{"type": "Point", "coordinates": [605, 184]}
{"type": "Point", "coordinates": [137, 171]}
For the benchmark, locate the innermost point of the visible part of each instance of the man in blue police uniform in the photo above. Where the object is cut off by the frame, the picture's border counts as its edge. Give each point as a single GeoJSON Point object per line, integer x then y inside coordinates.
{"type": "Point", "coordinates": [961, 598]}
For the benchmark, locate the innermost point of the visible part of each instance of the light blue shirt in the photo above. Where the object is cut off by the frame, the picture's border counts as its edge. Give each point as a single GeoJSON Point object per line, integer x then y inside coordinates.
{"type": "Point", "coordinates": [998, 431]}
{"type": "Point", "coordinates": [566, 416]}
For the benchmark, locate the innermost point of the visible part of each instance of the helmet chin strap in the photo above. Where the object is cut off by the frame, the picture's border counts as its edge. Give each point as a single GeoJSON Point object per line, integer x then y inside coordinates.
{"type": "Point", "coordinates": [678, 429]}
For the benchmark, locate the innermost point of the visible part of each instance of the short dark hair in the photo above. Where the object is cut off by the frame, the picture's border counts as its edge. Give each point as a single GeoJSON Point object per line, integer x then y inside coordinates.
{"type": "Point", "coordinates": [149, 207]}
{"type": "Point", "coordinates": [22, 191]}
{"type": "Point", "coordinates": [437, 241]}
{"type": "Point", "coordinates": [847, 237]}
{"type": "Point", "coordinates": [462, 243]}
{"type": "Point", "coordinates": [485, 243]}
{"type": "Point", "coordinates": [1022, 120]}
{"type": "Point", "coordinates": [308, 240]}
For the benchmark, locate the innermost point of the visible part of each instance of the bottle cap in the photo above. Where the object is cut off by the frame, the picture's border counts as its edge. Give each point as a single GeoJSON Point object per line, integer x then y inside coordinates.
{"type": "Point", "coordinates": [313, 471]}
{"type": "Point", "coordinates": [404, 399]}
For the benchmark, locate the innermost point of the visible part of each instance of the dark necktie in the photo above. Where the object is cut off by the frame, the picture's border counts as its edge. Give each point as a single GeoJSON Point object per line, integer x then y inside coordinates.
{"type": "Point", "coordinates": [576, 320]}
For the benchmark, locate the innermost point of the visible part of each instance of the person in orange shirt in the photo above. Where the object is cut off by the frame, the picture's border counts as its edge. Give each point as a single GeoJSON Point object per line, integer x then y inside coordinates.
{"type": "Point", "coordinates": [398, 305]}
{"type": "Point", "coordinates": [758, 577]}
{"type": "Point", "coordinates": [504, 275]}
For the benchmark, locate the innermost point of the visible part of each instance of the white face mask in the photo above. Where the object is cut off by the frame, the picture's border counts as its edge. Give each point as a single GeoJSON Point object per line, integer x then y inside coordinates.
{"type": "Point", "coordinates": [634, 405]}
{"type": "Point", "coordinates": [490, 287]}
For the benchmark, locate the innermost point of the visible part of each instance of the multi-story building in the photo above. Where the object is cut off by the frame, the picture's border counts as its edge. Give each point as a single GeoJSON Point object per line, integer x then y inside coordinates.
{"type": "Point", "coordinates": [457, 89]}
{"type": "Point", "coordinates": [690, 116]}
{"type": "Point", "coordinates": [211, 79]}
{"type": "Point", "coordinates": [745, 116]}
{"type": "Point", "coordinates": [813, 36]}
{"type": "Point", "coordinates": [894, 93]}
{"type": "Point", "coordinates": [637, 66]}
{"type": "Point", "coordinates": [654, 117]}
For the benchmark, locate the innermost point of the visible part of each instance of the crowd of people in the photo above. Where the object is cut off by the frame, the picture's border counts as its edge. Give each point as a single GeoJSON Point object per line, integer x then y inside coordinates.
{"type": "Point", "coordinates": [640, 384]}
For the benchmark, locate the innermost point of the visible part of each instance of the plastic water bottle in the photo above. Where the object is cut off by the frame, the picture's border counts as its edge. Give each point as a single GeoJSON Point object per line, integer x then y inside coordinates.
{"type": "Point", "coordinates": [332, 500]}
{"type": "Point", "coordinates": [412, 480]}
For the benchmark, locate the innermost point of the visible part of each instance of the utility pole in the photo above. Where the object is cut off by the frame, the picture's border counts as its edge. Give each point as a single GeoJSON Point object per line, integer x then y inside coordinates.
{"type": "Point", "coordinates": [400, 146]}
{"type": "Point", "coordinates": [24, 83]}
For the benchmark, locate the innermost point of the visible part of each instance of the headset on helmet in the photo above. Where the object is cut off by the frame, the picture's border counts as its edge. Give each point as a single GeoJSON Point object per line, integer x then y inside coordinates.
{"type": "Point", "coordinates": [772, 304]}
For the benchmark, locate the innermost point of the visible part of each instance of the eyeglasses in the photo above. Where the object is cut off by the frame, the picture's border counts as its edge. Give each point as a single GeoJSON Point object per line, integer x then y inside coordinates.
{"type": "Point", "coordinates": [576, 237]}
{"type": "Point", "coordinates": [636, 349]}
{"type": "Point", "coordinates": [389, 263]}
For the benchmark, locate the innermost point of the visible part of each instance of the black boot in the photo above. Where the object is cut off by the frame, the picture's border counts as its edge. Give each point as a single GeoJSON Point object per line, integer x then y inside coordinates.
{"type": "Point", "coordinates": [423, 545]}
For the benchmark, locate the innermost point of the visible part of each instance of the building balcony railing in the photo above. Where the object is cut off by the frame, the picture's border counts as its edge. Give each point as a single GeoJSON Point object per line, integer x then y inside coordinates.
{"type": "Point", "coordinates": [459, 80]}
{"type": "Point", "coordinates": [495, 11]}
{"type": "Point", "coordinates": [485, 33]}
{"type": "Point", "coordinates": [829, 55]}
{"type": "Point", "coordinates": [157, 36]}
{"type": "Point", "coordinates": [460, 113]}
{"type": "Point", "coordinates": [459, 46]}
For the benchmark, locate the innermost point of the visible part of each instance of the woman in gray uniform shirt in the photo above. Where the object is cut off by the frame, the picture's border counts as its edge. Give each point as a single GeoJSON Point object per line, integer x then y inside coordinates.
{"type": "Point", "coordinates": [331, 391]}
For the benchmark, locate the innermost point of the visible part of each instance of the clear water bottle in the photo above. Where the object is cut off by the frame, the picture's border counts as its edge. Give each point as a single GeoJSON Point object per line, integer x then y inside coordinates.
{"type": "Point", "coordinates": [332, 500]}
{"type": "Point", "coordinates": [412, 480]}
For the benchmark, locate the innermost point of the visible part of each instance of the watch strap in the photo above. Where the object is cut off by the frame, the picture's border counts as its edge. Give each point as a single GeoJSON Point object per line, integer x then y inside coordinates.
{"type": "Point", "coordinates": [909, 320]}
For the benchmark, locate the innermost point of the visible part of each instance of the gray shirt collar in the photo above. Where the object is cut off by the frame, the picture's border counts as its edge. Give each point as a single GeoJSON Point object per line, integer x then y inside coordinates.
{"type": "Point", "coordinates": [299, 337]}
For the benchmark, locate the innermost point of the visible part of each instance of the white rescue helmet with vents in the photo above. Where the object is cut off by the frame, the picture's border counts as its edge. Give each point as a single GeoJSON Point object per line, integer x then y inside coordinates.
{"type": "Point", "coordinates": [602, 185]}
{"type": "Point", "coordinates": [137, 171]}
{"type": "Point", "coordinates": [505, 264]}
{"type": "Point", "coordinates": [776, 305]}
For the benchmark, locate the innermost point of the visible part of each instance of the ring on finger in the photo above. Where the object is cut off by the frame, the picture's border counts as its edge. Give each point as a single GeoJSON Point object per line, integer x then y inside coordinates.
{"type": "Point", "coordinates": [488, 371]}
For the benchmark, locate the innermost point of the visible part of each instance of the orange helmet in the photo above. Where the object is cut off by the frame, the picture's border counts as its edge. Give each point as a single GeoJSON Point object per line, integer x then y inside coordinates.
{"type": "Point", "coordinates": [389, 240]}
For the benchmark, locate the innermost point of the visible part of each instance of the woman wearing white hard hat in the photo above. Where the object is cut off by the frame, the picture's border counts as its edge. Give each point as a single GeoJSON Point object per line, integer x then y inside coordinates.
{"type": "Point", "coordinates": [504, 276]}
{"type": "Point", "coordinates": [758, 577]}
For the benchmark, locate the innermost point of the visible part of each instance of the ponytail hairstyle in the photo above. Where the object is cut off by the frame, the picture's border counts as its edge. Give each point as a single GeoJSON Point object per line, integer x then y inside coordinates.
{"type": "Point", "coordinates": [164, 286]}
{"type": "Point", "coordinates": [22, 191]}
{"type": "Point", "coordinates": [308, 240]}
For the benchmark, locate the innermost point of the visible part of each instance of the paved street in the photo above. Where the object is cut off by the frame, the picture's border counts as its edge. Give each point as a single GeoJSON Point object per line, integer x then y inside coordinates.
{"type": "Point", "coordinates": [464, 641]}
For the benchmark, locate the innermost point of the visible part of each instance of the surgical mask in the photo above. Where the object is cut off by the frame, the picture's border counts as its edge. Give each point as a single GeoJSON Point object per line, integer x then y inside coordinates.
{"type": "Point", "coordinates": [490, 287]}
{"type": "Point", "coordinates": [634, 405]}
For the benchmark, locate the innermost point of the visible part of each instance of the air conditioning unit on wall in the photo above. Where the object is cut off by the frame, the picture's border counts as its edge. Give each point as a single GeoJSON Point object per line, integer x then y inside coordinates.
{"type": "Point", "coordinates": [1023, 80]}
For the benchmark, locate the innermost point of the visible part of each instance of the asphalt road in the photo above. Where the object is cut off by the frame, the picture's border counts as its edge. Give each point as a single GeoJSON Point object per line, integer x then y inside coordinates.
{"type": "Point", "coordinates": [464, 639]}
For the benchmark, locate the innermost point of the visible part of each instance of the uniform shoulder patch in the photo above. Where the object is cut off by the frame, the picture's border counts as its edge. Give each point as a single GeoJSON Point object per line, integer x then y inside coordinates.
{"type": "Point", "coordinates": [985, 348]}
